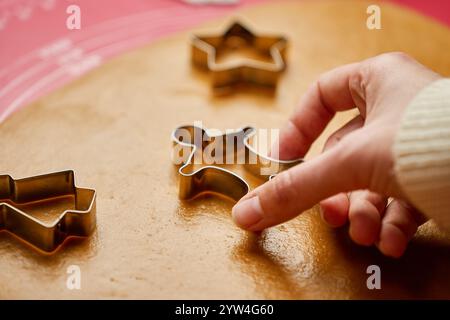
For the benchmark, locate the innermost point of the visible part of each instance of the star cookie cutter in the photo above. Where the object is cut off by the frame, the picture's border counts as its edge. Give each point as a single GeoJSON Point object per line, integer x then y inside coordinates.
{"type": "Point", "coordinates": [232, 146]}
{"type": "Point", "coordinates": [77, 222]}
{"type": "Point", "coordinates": [225, 77]}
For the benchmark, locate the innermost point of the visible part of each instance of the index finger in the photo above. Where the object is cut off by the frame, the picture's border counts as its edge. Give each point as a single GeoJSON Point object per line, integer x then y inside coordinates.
{"type": "Point", "coordinates": [331, 93]}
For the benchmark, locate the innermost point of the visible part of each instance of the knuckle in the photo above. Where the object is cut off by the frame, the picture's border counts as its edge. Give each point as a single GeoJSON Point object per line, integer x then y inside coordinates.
{"type": "Point", "coordinates": [389, 59]}
{"type": "Point", "coordinates": [356, 78]}
{"type": "Point", "coordinates": [399, 55]}
{"type": "Point", "coordinates": [320, 93]}
{"type": "Point", "coordinates": [321, 79]}
{"type": "Point", "coordinates": [283, 187]}
{"type": "Point", "coordinates": [357, 82]}
{"type": "Point", "coordinates": [378, 72]}
{"type": "Point", "coordinates": [303, 130]}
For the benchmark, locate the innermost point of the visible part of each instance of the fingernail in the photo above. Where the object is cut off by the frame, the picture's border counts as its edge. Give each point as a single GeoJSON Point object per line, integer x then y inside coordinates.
{"type": "Point", "coordinates": [247, 213]}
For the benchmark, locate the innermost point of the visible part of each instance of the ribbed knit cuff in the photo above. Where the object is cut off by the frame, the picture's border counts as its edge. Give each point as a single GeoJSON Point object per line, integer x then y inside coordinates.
{"type": "Point", "coordinates": [422, 152]}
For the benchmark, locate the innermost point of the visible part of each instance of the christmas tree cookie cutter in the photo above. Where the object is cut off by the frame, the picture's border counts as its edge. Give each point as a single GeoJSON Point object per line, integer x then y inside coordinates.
{"type": "Point", "coordinates": [236, 145]}
{"type": "Point", "coordinates": [225, 77]}
{"type": "Point", "coordinates": [47, 237]}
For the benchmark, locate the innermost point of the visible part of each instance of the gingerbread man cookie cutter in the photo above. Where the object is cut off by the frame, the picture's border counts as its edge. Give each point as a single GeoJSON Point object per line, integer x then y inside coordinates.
{"type": "Point", "coordinates": [210, 178]}
{"type": "Point", "coordinates": [47, 237]}
{"type": "Point", "coordinates": [225, 77]}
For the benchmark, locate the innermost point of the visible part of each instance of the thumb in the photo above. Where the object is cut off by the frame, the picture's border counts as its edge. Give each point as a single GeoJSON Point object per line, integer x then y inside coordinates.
{"type": "Point", "coordinates": [342, 168]}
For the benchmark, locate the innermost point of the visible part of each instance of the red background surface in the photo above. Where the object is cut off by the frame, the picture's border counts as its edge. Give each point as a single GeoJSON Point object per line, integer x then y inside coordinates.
{"type": "Point", "coordinates": [39, 54]}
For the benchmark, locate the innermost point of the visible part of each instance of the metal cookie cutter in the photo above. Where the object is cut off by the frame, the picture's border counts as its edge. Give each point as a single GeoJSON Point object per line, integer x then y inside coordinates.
{"type": "Point", "coordinates": [14, 194]}
{"type": "Point", "coordinates": [191, 141]}
{"type": "Point", "coordinates": [206, 49]}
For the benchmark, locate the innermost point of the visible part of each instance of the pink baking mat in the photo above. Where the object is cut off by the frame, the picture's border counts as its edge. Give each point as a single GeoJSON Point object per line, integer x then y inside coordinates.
{"type": "Point", "coordinates": [39, 54]}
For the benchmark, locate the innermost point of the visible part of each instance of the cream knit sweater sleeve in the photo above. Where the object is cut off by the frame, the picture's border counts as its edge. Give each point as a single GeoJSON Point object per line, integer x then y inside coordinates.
{"type": "Point", "coordinates": [422, 152]}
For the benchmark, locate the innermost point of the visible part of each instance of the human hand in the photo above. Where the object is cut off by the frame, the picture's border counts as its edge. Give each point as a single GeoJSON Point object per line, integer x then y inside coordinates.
{"type": "Point", "coordinates": [354, 176]}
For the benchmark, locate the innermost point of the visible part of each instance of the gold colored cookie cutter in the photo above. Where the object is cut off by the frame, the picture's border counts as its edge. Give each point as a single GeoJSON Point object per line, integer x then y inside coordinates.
{"type": "Point", "coordinates": [235, 146]}
{"type": "Point", "coordinates": [77, 222]}
{"type": "Point", "coordinates": [225, 77]}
